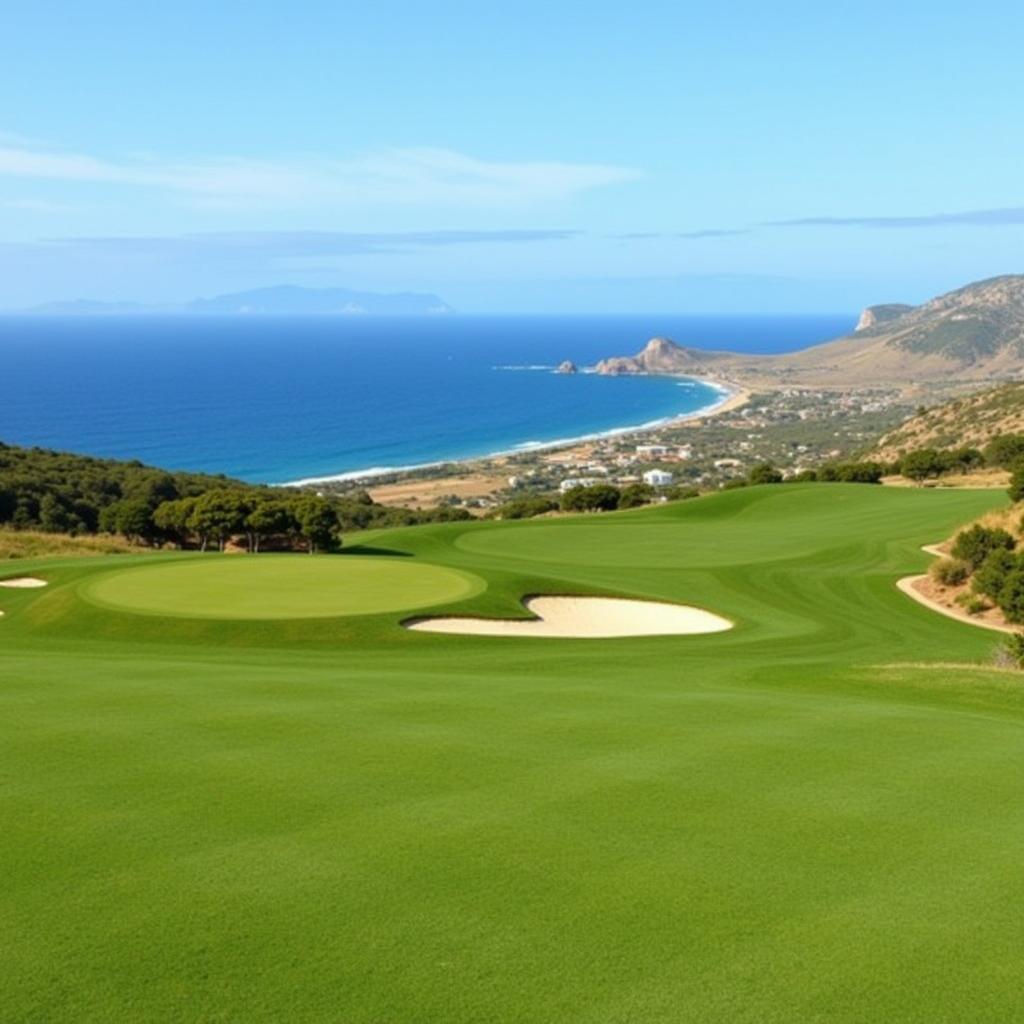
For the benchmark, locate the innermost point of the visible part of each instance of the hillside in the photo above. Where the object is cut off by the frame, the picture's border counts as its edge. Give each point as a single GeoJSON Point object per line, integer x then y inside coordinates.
{"type": "Point", "coordinates": [973, 420]}
{"type": "Point", "coordinates": [874, 315]}
{"type": "Point", "coordinates": [975, 333]}
{"type": "Point", "coordinates": [662, 355]}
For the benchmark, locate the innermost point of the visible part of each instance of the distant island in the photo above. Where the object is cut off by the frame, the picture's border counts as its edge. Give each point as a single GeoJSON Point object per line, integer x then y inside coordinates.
{"type": "Point", "coordinates": [273, 301]}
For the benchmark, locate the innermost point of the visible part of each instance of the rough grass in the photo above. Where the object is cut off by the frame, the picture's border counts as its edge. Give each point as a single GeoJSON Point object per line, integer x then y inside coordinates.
{"type": "Point", "coordinates": [35, 544]}
{"type": "Point", "coordinates": [814, 817]}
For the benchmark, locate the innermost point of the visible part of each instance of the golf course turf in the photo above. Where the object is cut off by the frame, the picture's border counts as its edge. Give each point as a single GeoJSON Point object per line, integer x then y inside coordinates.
{"type": "Point", "coordinates": [817, 815]}
{"type": "Point", "coordinates": [280, 587]}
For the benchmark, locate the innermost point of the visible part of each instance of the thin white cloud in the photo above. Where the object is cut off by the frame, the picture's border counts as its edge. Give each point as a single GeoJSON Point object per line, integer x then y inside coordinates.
{"type": "Point", "coordinates": [281, 245]}
{"type": "Point", "coordinates": [1000, 217]}
{"type": "Point", "coordinates": [396, 176]}
{"type": "Point", "coordinates": [34, 205]}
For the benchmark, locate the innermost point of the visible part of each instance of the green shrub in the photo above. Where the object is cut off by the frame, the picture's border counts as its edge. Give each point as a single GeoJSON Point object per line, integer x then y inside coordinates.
{"type": "Point", "coordinates": [963, 459]}
{"type": "Point", "coordinates": [525, 508]}
{"type": "Point", "coordinates": [922, 464]}
{"type": "Point", "coordinates": [990, 575]}
{"type": "Point", "coordinates": [1005, 450]}
{"type": "Point", "coordinates": [951, 572]}
{"type": "Point", "coordinates": [861, 472]}
{"type": "Point", "coordinates": [1012, 651]}
{"type": "Point", "coordinates": [635, 495]}
{"type": "Point", "coordinates": [973, 546]}
{"type": "Point", "coordinates": [1011, 595]}
{"type": "Point", "coordinates": [765, 473]}
{"type": "Point", "coordinates": [972, 604]}
{"type": "Point", "coordinates": [681, 492]}
{"type": "Point", "coordinates": [1016, 488]}
{"type": "Point", "coordinates": [598, 498]}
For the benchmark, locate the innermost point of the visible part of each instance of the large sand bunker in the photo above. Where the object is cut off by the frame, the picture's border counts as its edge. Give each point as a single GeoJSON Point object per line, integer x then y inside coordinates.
{"type": "Point", "coordinates": [585, 617]}
{"type": "Point", "coordinates": [27, 582]}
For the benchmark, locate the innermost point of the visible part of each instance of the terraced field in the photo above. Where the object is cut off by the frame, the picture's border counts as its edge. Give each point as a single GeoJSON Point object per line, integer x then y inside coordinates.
{"type": "Point", "coordinates": [236, 789]}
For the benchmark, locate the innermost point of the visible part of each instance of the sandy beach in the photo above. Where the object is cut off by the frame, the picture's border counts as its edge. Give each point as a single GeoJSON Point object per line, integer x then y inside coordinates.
{"type": "Point", "coordinates": [483, 476]}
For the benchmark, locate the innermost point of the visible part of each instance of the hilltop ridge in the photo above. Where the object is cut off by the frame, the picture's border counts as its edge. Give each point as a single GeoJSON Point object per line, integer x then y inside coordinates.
{"type": "Point", "coordinates": [975, 333]}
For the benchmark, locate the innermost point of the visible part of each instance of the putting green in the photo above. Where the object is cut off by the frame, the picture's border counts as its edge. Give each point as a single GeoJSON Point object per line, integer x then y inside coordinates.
{"type": "Point", "coordinates": [280, 587]}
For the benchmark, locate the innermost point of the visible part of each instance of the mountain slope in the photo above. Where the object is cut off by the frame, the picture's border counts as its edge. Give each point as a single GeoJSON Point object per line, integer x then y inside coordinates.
{"type": "Point", "coordinates": [874, 315]}
{"type": "Point", "coordinates": [975, 333]}
{"type": "Point", "coordinates": [973, 420]}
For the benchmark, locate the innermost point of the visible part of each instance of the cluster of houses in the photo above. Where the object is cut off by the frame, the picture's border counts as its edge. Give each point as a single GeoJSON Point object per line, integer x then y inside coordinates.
{"type": "Point", "coordinates": [598, 472]}
{"type": "Point", "coordinates": [653, 477]}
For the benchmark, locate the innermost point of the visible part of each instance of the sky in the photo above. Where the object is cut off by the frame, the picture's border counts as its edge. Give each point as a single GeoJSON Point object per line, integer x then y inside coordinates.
{"type": "Point", "coordinates": [529, 157]}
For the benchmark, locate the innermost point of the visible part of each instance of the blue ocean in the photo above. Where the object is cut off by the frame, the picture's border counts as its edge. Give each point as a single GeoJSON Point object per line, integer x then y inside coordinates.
{"type": "Point", "coordinates": [280, 399]}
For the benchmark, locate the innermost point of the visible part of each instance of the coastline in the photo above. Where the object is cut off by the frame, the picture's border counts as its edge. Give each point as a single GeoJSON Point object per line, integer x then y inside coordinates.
{"type": "Point", "coordinates": [732, 397]}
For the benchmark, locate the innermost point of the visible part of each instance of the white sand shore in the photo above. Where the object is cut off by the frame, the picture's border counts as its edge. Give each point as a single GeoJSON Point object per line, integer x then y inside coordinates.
{"type": "Point", "coordinates": [732, 396]}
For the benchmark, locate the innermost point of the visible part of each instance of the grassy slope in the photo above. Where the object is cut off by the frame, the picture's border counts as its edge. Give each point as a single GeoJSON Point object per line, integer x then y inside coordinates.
{"type": "Point", "coordinates": [344, 821]}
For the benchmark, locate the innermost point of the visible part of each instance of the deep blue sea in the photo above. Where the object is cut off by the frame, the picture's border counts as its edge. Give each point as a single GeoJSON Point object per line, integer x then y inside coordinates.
{"type": "Point", "coordinates": [279, 399]}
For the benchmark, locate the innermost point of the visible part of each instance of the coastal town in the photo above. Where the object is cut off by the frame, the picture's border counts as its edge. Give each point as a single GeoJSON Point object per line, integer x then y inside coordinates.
{"type": "Point", "coordinates": [793, 429]}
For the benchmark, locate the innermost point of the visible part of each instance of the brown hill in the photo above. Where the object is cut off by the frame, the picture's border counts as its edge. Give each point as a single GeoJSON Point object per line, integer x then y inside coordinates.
{"type": "Point", "coordinates": [973, 420]}
{"type": "Point", "coordinates": [875, 315]}
{"type": "Point", "coordinates": [975, 333]}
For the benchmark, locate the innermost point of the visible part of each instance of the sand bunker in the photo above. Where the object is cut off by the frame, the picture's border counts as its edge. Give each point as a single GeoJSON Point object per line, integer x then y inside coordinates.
{"type": "Point", "coordinates": [23, 581]}
{"type": "Point", "coordinates": [585, 617]}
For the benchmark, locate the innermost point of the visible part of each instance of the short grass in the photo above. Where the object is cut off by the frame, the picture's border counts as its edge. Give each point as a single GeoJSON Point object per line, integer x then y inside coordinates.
{"type": "Point", "coordinates": [279, 587]}
{"type": "Point", "coordinates": [817, 816]}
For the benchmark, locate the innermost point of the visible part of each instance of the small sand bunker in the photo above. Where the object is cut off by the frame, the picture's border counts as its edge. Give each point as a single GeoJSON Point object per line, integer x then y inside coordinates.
{"type": "Point", "coordinates": [27, 582]}
{"type": "Point", "coordinates": [585, 617]}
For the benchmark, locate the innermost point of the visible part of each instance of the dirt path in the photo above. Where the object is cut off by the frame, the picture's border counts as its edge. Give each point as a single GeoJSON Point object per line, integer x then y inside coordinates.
{"type": "Point", "coordinates": [912, 587]}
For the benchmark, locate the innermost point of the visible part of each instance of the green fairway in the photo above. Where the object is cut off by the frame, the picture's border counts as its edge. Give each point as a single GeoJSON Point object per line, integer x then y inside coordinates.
{"type": "Point", "coordinates": [817, 816]}
{"type": "Point", "coordinates": [279, 587]}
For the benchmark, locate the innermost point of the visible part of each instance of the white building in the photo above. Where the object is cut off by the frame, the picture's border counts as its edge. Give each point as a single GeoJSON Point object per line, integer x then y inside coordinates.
{"type": "Point", "coordinates": [651, 451]}
{"type": "Point", "coordinates": [657, 478]}
{"type": "Point", "coordinates": [577, 481]}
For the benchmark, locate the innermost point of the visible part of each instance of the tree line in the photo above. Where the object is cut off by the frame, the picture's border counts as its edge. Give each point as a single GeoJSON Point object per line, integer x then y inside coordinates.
{"type": "Point", "coordinates": [59, 492]}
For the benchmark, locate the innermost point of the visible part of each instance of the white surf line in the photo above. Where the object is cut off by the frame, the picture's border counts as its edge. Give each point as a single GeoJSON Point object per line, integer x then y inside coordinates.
{"type": "Point", "coordinates": [727, 392]}
{"type": "Point", "coordinates": [583, 617]}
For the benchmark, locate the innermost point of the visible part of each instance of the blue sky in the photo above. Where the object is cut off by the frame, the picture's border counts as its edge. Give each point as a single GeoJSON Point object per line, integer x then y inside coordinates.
{"type": "Point", "coordinates": [527, 157]}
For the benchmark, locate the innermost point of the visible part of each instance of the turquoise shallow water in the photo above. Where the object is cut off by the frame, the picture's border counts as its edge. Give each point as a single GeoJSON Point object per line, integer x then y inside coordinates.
{"type": "Point", "coordinates": [278, 399]}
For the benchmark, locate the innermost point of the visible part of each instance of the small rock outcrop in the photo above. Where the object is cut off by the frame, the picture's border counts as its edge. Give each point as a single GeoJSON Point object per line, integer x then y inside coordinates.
{"type": "Point", "coordinates": [659, 355]}
{"type": "Point", "coordinates": [567, 366]}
